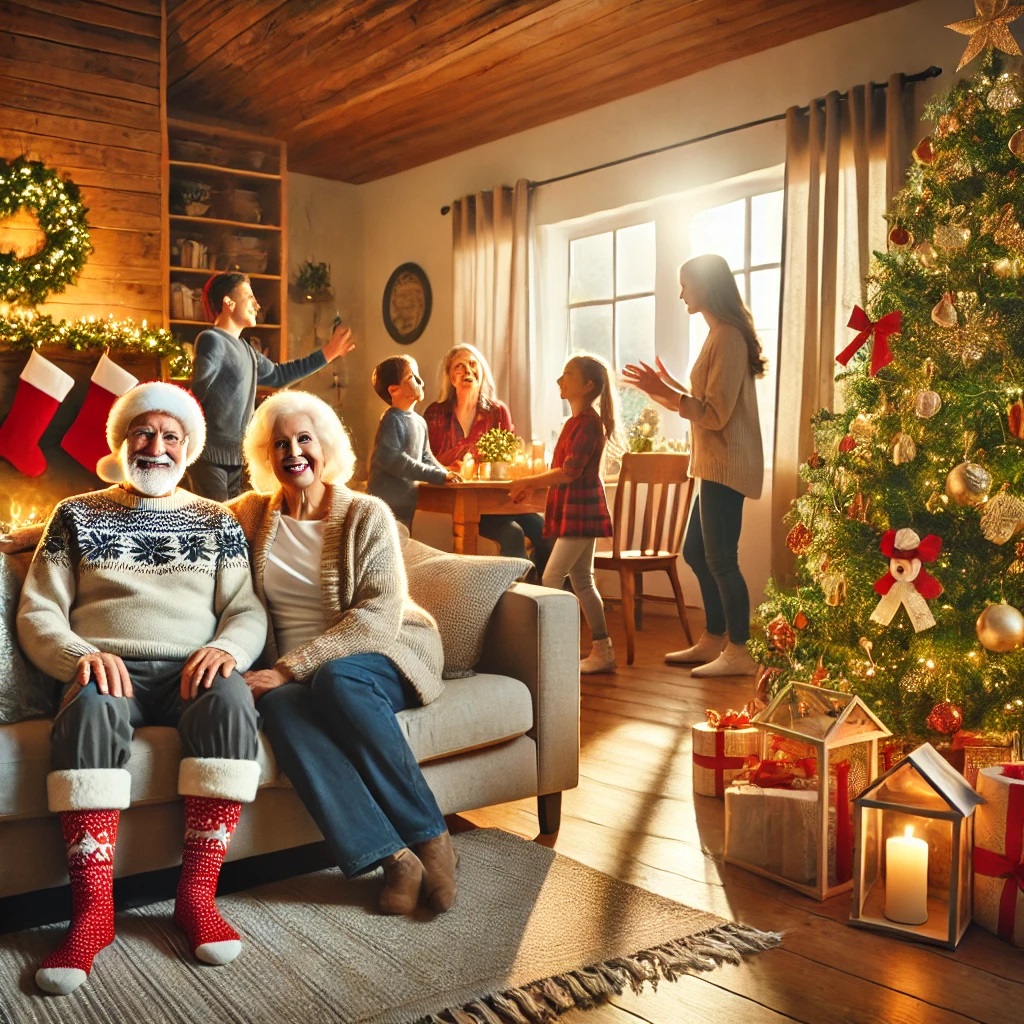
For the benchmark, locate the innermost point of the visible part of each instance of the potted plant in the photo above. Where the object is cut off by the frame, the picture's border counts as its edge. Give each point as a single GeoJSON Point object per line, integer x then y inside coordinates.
{"type": "Point", "coordinates": [191, 197]}
{"type": "Point", "coordinates": [495, 450]}
{"type": "Point", "coordinates": [313, 281]}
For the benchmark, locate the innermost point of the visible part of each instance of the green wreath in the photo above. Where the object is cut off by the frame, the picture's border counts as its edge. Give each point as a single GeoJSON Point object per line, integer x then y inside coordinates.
{"type": "Point", "coordinates": [31, 185]}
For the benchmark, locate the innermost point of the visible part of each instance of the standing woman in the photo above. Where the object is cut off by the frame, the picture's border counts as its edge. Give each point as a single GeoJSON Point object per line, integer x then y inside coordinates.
{"type": "Point", "coordinates": [465, 409]}
{"type": "Point", "coordinates": [346, 650]}
{"type": "Point", "coordinates": [726, 459]}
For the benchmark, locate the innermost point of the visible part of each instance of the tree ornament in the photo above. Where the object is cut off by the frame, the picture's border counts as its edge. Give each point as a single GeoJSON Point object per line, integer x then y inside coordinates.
{"type": "Point", "coordinates": [946, 717]}
{"type": "Point", "coordinates": [800, 620]}
{"type": "Point", "coordinates": [1016, 143]}
{"type": "Point", "coordinates": [968, 484]}
{"type": "Point", "coordinates": [926, 254]}
{"type": "Point", "coordinates": [31, 185]}
{"type": "Point", "coordinates": [1008, 232]}
{"type": "Point", "coordinates": [1000, 628]}
{"type": "Point", "coordinates": [798, 540]}
{"type": "Point", "coordinates": [862, 427]}
{"type": "Point", "coordinates": [848, 443]}
{"type": "Point", "coordinates": [903, 449]}
{"type": "Point", "coordinates": [820, 674]}
{"type": "Point", "coordinates": [814, 460]}
{"type": "Point", "coordinates": [900, 239]}
{"type": "Point", "coordinates": [1003, 516]}
{"type": "Point", "coordinates": [951, 237]}
{"type": "Point", "coordinates": [1015, 418]}
{"type": "Point", "coordinates": [1007, 93]}
{"type": "Point", "coordinates": [948, 125]}
{"type": "Point", "coordinates": [988, 28]}
{"type": "Point", "coordinates": [944, 311]}
{"type": "Point", "coordinates": [858, 508]}
{"type": "Point", "coordinates": [781, 635]}
{"type": "Point", "coordinates": [927, 404]}
{"type": "Point", "coordinates": [833, 585]}
{"type": "Point", "coordinates": [880, 330]}
{"type": "Point", "coordinates": [971, 353]}
{"type": "Point", "coordinates": [924, 152]}
{"type": "Point", "coordinates": [1016, 567]}
{"type": "Point", "coordinates": [907, 583]}
{"type": "Point", "coordinates": [1006, 267]}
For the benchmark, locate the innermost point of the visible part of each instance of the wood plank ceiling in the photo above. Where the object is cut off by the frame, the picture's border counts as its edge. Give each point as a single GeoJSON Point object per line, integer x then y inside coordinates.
{"type": "Point", "coordinates": [363, 89]}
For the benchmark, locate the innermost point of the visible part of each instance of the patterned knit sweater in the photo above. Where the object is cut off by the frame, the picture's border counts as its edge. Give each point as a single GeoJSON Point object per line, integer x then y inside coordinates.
{"type": "Point", "coordinates": [363, 585]}
{"type": "Point", "coordinates": [148, 578]}
{"type": "Point", "coordinates": [722, 409]}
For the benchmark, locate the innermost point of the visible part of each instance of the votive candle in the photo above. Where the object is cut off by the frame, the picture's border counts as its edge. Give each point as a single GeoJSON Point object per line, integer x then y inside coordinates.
{"type": "Point", "coordinates": [906, 878]}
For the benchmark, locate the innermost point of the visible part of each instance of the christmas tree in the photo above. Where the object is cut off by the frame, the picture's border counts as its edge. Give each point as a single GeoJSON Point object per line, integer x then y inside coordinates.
{"type": "Point", "coordinates": [909, 543]}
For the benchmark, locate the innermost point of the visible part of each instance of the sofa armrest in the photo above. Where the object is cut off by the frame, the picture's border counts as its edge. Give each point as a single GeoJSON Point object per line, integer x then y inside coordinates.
{"type": "Point", "coordinates": [534, 635]}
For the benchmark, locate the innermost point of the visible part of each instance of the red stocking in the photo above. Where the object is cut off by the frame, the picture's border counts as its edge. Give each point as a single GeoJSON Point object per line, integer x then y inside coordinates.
{"type": "Point", "coordinates": [209, 823]}
{"type": "Point", "coordinates": [86, 439]}
{"type": "Point", "coordinates": [41, 388]}
{"type": "Point", "coordinates": [90, 838]}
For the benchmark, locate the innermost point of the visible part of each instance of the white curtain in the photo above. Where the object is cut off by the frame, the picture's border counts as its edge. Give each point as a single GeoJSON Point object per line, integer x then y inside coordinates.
{"type": "Point", "coordinates": [491, 242]}
{"type": "Point", "coordinates": [845, 159]}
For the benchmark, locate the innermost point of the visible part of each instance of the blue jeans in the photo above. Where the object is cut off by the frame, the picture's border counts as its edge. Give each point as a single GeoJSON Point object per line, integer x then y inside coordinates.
{"type": "Point", "coordinates": [711, 550]}
{"type": "Point", "coordinates": [339, 743]}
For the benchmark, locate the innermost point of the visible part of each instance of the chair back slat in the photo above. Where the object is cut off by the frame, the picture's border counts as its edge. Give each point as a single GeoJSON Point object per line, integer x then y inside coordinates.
{"type": "Point", "coordinates": [652, 501]}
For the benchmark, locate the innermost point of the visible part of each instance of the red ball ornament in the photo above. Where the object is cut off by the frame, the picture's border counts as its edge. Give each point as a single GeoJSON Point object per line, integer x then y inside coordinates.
{"type": "Point", "coordinates": [798, 540]}
{"type": "Point", "coordinates": [946, 717]}
{"type": "Point", "coordinates": [781, 635]}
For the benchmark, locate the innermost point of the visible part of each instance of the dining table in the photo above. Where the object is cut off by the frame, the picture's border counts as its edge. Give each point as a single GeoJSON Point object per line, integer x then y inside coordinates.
{"type": "Point", "coordinates": [468, 501]}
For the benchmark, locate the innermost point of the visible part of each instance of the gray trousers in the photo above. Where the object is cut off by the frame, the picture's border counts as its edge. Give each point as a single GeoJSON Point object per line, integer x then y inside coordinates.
{"type": "Point", "coordinates": [94, 730]}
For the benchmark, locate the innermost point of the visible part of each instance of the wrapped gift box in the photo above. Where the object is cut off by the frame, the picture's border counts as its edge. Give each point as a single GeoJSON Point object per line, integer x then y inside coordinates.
{"type": "Point", "coordinates": [773, 832]}
{"type": "Point", "coordinates": [999, 855]}
{"type": "Point", "coordinates": [719, 755]}
{"type": "Point", "coordinates": [985, 750]}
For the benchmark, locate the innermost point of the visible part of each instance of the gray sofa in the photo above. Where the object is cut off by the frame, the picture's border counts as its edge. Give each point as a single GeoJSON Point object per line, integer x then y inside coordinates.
{"type": "Point", "coordinates": [508, 731]}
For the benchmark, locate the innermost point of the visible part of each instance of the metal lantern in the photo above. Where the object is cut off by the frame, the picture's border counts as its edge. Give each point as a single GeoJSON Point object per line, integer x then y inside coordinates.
{"type": "Point", "coordinates": [802, 836]}
{"type": "Point", "coordinates": [913, 843]}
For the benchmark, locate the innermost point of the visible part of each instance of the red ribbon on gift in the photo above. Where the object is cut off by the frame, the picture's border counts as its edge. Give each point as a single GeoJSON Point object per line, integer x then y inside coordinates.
{"type": "Point", "coordinates": [719, 764]}
{"type": "Point", "coordinates": [881, 354]}
{"type": "Point", "coordinates": [1007, 865]}
{"type": "Point", "coordinates": [729, 720]}
{"type": "Point", "coordinates": [1014, 771]}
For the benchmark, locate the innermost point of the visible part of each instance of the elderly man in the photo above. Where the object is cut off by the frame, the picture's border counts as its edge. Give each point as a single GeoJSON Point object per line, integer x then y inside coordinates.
{"type": "Point", "coordinates": [140, 600]}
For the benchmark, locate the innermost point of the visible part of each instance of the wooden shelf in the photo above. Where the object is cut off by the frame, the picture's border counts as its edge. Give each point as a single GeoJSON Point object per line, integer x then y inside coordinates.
{"type": "Point", "coordinates": [244, 226]}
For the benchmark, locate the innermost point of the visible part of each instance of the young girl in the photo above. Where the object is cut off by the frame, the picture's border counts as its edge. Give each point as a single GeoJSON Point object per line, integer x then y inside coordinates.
{"type": "Point", "coordinates": [577, 512]}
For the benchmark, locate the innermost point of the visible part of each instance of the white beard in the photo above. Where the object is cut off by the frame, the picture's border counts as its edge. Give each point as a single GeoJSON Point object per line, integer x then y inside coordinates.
{"type": "Point", "coordinates": [154, 481]}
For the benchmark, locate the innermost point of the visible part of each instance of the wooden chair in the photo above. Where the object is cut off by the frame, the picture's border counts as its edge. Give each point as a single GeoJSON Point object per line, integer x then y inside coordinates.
{"type": "Point", "coordinates": [652, 504]}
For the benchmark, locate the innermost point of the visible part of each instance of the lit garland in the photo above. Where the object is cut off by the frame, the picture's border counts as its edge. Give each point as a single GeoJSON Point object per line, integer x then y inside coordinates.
{"type": "Point", "coordinates": [29, 184]}
{"type": "Point", "coordinates": [31, 330]}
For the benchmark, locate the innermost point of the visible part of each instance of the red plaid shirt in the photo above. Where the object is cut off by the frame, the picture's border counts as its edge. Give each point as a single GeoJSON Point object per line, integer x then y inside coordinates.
{"type": "Point", "coordinates": [579, 508]}
{"type": "Point", "coordinates": [447, 441]}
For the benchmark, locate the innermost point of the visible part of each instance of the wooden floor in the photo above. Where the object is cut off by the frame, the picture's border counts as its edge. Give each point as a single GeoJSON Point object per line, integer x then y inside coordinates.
{"type": "Point", "coordinates": [634, 816]}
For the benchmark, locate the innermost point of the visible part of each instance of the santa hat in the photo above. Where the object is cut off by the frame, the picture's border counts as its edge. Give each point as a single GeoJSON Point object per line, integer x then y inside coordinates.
{"type": "Point", "coordinates": [152, 396]}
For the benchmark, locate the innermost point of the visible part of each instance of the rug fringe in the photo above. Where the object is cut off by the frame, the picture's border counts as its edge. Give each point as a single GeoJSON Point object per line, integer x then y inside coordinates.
{"type": "Point", "coordinates": [541, 1002]}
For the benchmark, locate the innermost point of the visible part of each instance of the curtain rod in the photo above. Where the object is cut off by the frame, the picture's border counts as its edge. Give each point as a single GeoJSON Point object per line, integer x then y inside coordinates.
{"type": "Point", "coordinates": [920, 76]}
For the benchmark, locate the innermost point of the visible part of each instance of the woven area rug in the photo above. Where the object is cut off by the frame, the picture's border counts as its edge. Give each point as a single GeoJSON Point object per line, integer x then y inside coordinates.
{"type": "Point", "coordinates": [532, 935]}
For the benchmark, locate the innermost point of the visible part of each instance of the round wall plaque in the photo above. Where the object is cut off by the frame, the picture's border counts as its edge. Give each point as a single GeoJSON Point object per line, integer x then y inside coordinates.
{"type": "Point", "coordinates": [407, 303]}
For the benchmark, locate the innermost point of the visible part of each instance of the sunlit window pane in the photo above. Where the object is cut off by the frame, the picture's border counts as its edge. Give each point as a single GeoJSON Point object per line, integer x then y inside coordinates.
{"type": "Point", "coordinates": [634, 259]}
{"type": "Point", "coordinates": [590, 330]}
{"type": "Point", "coordinates": [766, 228]}
{"type": "Point", "coordinates": [590, 268]}
{"type": "Point", "coordinates": [721, 230]}
{"type": "Point", "coordinates": [635, 330]}
{"type": "Point", "coordinates": [764, 299]}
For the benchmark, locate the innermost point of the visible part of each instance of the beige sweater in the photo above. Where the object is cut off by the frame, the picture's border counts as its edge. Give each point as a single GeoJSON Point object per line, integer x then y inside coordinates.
{"type": "Point", "coordinates": [365, 596]}
{"type": "Point", "coordinates": [722, 408]}
{"type": "Point", "coordinates": [147, 578]}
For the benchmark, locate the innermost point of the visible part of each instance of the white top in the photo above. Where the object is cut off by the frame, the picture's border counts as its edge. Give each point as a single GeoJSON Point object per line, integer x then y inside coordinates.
{"type": "Point", "coordinates": [291, 582]}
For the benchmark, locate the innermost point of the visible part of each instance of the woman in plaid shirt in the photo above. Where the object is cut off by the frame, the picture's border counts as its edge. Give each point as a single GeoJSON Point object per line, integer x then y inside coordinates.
{"type": "Point", "coordinates": [577, 511]}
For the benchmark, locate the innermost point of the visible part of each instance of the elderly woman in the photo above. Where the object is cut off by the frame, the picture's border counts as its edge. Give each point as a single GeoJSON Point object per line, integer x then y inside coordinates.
{"type": "Point", "coordinates": [465, 409]}
{"type": "Point", "coordinates": [347, 649]}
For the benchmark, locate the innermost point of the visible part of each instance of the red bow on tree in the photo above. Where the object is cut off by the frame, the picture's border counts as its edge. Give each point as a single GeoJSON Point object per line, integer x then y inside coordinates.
{"type": "Point", "coordinates": [881, 354]}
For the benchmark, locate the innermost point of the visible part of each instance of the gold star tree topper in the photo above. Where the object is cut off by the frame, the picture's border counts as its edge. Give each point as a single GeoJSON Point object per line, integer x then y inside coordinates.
{"type": "Point", "coordinates": [988, 28]}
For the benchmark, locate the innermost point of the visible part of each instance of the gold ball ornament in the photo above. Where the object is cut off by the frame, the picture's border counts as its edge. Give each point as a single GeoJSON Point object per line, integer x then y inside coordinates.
{"type": "Point", "coordinates": [1007, 93]}
{"type": "Point", "coordinates": [968, 484]}
{"type": "Point", "coordinates": [927, 404]}
{"type": "Point", "coordinates": [1006, 268]}
{"type": "Point", "coordinates": [926, 254]}
{"type": "Point", "coordinates": [924, 152]}
{"type": "Point", "coordinates": [1000, 628]}
{"type": "Point", "coordinates": [951, 237]}
{"type": "Point", "coordinates": [1016, 144]}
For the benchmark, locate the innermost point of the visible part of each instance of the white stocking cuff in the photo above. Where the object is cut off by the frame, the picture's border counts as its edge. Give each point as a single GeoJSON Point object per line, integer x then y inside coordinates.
{"type": "Point", "coordinates": [223, 778]}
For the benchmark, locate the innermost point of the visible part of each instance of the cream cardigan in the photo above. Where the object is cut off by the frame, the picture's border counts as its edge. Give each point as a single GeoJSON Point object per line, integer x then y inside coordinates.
{"type": "Point", "coordinates": [722, 408]}
{"type": "Point", "coordinates": [365, 596]}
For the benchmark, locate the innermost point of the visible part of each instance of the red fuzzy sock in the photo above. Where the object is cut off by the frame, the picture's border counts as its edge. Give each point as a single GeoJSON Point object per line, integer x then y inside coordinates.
{"type": "Point", "coordinates": [90, 838]}
{"type": "Point", "coordinates": [209, 824]}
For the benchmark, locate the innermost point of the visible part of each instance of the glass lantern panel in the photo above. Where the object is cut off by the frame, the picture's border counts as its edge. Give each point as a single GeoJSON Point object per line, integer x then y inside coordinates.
{"type": "Point", "coordinates": [965, 879]}
{"type": "Point", "coordinates": [906, 786]}
{"type": "Point", "coordinates": [856, 723]}
{"type": "Point", "coordinates": [810, 711]}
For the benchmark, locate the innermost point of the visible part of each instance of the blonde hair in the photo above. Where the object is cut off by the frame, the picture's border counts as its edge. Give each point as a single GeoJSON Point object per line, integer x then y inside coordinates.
{"type": "Point", "coordinates": [721, 296]}
{"type": "Point", "coordinates": [446, 389]}
{"type": "Point", "coordinates": [595, 370]}
{"type": "Point", "coordinates": [339, 459]}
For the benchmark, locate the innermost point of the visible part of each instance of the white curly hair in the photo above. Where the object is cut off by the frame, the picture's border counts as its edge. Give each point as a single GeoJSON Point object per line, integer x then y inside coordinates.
{"type": "Point", "coordinates": [339, 459]}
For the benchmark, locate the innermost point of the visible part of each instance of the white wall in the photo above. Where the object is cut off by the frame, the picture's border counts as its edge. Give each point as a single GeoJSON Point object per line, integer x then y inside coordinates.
{"type": "Point", "coordinates": [398, 218]}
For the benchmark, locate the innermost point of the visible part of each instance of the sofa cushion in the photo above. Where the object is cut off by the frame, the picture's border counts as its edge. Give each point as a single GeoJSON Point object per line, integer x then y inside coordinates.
{"type": "Point", "coordinates": [460, 592]}
{"type": "Point", "coordinates": [24, 691]}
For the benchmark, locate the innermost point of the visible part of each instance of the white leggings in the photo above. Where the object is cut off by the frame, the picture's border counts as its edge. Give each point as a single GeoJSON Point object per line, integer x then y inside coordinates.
{"type": "Point", "coordinates": [574, 557]}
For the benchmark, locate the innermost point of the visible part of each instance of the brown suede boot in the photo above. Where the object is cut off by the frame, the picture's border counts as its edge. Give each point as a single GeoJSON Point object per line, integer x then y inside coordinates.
{"type": "Point", "coordinates": [403, 877]}
{"type": "Point", "coordinates": [440, 863]}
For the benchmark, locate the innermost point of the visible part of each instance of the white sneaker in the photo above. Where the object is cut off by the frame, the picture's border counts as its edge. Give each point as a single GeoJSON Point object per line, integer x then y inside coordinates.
{"type": "Point", "coordinates": [733, 661]}
{"type": "Point", "coordinates": [706, 649]}
{"type": "Point", "coordinates": [600, 659]}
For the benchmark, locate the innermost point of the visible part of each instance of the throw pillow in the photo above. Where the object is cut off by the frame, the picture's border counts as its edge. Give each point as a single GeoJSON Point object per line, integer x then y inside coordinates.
{"type": "Point", "coordinates": [24, 691]}
{"type": "Point", "coordinates": [460, 591]}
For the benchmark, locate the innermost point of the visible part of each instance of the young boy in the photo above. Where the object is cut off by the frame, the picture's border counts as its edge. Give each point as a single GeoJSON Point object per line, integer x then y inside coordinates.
{"type": "Point", "coordinates": [401, 452]}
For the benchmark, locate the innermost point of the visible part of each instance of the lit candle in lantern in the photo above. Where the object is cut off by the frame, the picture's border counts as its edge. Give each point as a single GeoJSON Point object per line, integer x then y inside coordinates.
{"type": "Point", "coordinates": [906, 878]}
